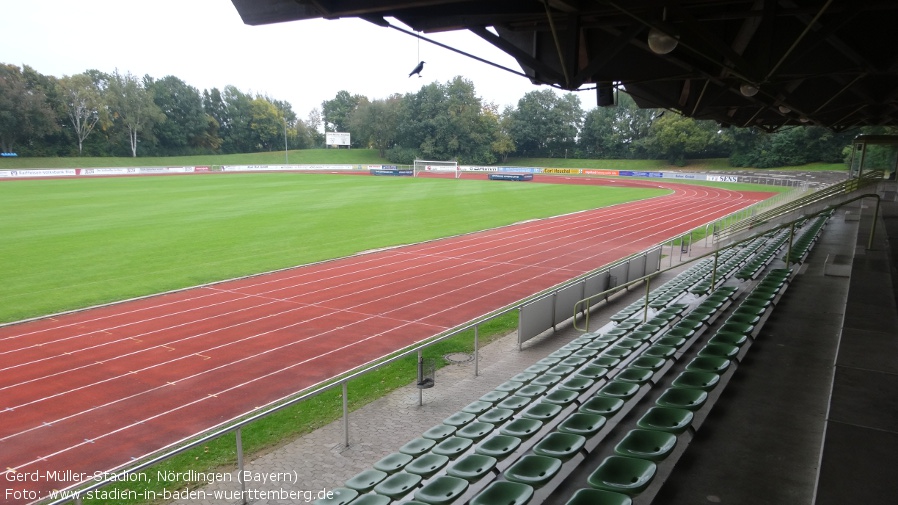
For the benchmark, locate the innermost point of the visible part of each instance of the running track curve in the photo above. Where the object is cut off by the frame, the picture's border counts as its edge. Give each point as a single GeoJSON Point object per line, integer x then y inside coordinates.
{"type": "Point", "coordinates": [91, 390]}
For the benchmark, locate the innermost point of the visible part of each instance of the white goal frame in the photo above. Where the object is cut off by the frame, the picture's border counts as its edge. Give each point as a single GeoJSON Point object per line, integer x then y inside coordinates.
{"type": "Point", "coordinates": [425, 166]}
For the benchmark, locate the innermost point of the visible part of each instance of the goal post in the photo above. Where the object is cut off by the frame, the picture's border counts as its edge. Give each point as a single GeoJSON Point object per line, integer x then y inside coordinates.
{"type": "Point", "coordinates": [436, 167]}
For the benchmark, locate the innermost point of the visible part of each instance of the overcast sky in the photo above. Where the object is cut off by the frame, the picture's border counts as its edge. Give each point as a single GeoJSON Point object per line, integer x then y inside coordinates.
{"type": "Point", "coordinates": [206, 44]}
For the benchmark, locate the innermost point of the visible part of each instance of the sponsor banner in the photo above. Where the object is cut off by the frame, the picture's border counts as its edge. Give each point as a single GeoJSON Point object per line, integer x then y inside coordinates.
{"type": "Point", "coordinates": [275, 168]}
{"type": "Point", "coordinates": [108, 171]}
{"type": "Point", "coordinates": [574, 171]}
{"type": "Point", "coordinates": [678, 175]}
{"type": "Point", "coordinates": [631, 173]}
{"type": "Point", "coordinates": [44, 172]}
{"type": "Point", "coordinates": [473, 168]}
{"type": "Point", "coordinates": [202, 169]}
{"type": "Point", "coordinates": [600, 172]}
{"type": "Point", "coordinates": [723, 178]}
{"type": "Point", "coordinates": [528, 170]}
{"type": "Point", "coordinates": [510, 177]}
{"type": "Point", "coordinates": [337, 138]}
{"type": "Point", "coordinates": [393, 171]}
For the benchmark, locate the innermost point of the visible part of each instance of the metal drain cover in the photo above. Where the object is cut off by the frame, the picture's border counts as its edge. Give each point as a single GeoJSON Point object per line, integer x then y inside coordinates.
{"type": "Point", "coordinates": [458, 357]}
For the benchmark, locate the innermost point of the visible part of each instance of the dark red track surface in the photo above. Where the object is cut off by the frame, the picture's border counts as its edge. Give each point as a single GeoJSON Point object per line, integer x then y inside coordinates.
{"type": "Point", "coordinates": [91, 390]}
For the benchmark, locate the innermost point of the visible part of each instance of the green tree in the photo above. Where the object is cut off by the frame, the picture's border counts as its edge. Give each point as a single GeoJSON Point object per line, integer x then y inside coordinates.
{"type": "Point", "coordinates": [338, 111]}
{"type": "Point", "coordinates": [546, 124]}
{"type": "Point", "coordinates": [186, 125]}
{"type": "Point", "coordinates": [25, 112]}
{"type": "Point", "coordinates": [374, 124]}
{"type": "Point", "coordinates": [132, 106]}
{"type": "Point", "coordinates": [267, 125]}
{"type": "Point", "coordinates": [82, 104]}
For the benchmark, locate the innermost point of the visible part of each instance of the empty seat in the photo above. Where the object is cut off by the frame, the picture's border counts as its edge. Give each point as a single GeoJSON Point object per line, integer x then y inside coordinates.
{"type": "Point", "coordinates": [459, 419]}
{"type": "Point", "coordinates": [605, 406]}
{"type": "Point", "coordinates": [592, 372]}
{"type": "Point", "coordinates": [443, 489]}
{"type": "Point", "coordinates": [509, 386]}
{"type": "Point", "coordinates": [338, 496]}
{"type": "Point", "coordinates": [475, 430]}
{"type": "Point", "coordinates": [646, 444]}
{"type": "Point", "coordinates": [477, 408]}
{"type": "Point", "coordinates": [495, 396]}
{"type": "Point", "coordinates": [524, 377]}
{"type": "Point", "coordinates": [504, 493]}
{"type": "Point", "coordinates": [541, 411]}
{"type": "Point", "coordinates": [665, 419]}
{"type": "Point", "coordinates": [573, 361]}
{"type": "Point", "coordinates": [719, 350]}
{"type": "Point", "coordinates": [635, 375]}
{"type": "Point", "coordinates": [498, 446]}
{"type": "Point", "coordinates": [628, 343]}
{"type": "Point", "coordinates": [392, 463]}
{"type": "Point", "coordinates": [682, 398]}
{"type": "Point", "coordinates": [417, 446]}
{"type": "Point", "coordinates": [577, 384]}
{"type": "Point", "coordinates": [582, 424]}
{"type": "Point", "coordinates": [660, 351]}
{"type": "Point", "coordinates": [605, 361]}
{"type": "Point", "coordinates": [561, 370]}
{"type": "Point", "coordinates": [671, 341]}
{"type": "Point", "coordinates": [366, 480]}
{"type": "Point", "coordinates": [562, 396]}
{"type": "Point", "coordinates": [514, 402]}
{"type": "Point", "coordinates": [532, 390]}
{"type": "Point", "coordinates": [648, 363]}
{"type": "Point", "coordinates": [560, 445]}
{"type": "Point", "coordinates": [640, 335]}
{"type": "Point", "coordinates": [543, 381]}
{"type": "Point", "coordinates": [598, 497]}
{"type": "Point", "coordinates": [533, 470]}
{"type": "Point", "coordinates": [496, 415]}
{"type": "Point", "coordinates": [521, 428]}
{"type": "Point", "coordinates": [452, 446]}
{"type": "Point", "coordinates": [729, 338]}
{"type": "Point", "coordinates": [623, 474]}
{"type": "Point", "coordinates": [472, 467]}
{"type": "Point", "coordinates": [372, 499]}
{"type": "Point", "coordinates": [701, 380]}
{"type": "Point", "coordinates": [439, 432]}
{"type": "Point", "coordinates": [426, 465]}
{"type": "Point", "coordinates": [708, 364]}
{"type": "Point", "coordinates": [398, 484]}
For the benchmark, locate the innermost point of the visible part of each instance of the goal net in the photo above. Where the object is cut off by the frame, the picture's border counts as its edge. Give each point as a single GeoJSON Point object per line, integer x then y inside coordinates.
{"type": "Point", "coordinates": [437, 168]}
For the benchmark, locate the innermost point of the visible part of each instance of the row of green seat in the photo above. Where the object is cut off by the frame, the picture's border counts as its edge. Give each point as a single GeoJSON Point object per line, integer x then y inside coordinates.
{"type": "Point", "coordinates": [802, 245]}
{"type": "Point", "coordinates": [752, 268]}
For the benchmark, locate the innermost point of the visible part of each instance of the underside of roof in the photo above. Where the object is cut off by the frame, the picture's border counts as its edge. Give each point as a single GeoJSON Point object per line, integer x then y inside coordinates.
{"type": "Point", "coordinates": [765, 63]}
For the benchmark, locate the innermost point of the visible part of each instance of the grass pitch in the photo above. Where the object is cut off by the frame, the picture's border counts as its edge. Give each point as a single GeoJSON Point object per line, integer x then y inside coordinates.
{"type": "Point", "coordinates": [72, 243]}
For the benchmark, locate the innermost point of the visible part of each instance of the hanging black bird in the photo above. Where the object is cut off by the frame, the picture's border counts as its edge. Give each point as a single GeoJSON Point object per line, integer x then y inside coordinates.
{"type": "Point", "coordinates": [417, 70]}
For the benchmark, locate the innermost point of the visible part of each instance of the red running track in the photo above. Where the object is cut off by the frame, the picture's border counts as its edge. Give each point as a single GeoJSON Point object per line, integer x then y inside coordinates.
{"type": "Point", "coordinates": [91, 390]}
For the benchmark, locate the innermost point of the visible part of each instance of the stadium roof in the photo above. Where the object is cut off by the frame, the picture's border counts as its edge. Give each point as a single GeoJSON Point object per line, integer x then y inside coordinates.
{"type": "Point", "coordinates": [765, 63]}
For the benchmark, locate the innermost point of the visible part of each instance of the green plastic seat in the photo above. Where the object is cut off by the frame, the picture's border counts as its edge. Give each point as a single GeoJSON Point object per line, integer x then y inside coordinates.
{"type": "Point", "coordinates": [532, 390]}
{"type": "Point", "coordinates": [749, 310]}
{"type": "Point", "coordinates": [541, 411]}
{"type": "Point", "coordinates": [708, 364]}
{"type": "Point", "coordinates": [562, 396]}
{"type": "Point", "coordinates": [734, 327]}
{"type": "Point", "coordinates": [571, 346]}
{"type": "Point", "coordinates": [646, 444]}
{"type": "Point", "coordinates": [417, 446]}
{"type": "Point", "coordinates": [560, 445]}
{"type": "Point", "coordinates": [548, 361]}
{"type": "Point", "coordinates": [592, 372]}
{"type": "Point", "coordinates": [439, 432]}
{"type": "Point", "coordinates": [628, 343]}
{"type": "Point", "coordinates": [700, 380]}
{"type": "Point", "coordinates": [441, 490]}
{"type": "Point", "coordinates": [684, 333]}
{"type": "Point", "coordinates": [504, 493]}
{"type": "Point", "coordinates": [605, 361]}
{"type": "Point", "coordinates": [537, 369]}
{"type": "Point", "coordinates": [426, 465]}
{"type": "Point", "coordinates": [652, 363]}
{"type": "Point", "coordinates": [452, 446]}
{"type": "Point", "coordinates": [366, 480]}
{"type": "Point", "coordinates": [649, 327]}
{"type": "Point", "coordinates": [666, 419]}
{"type": "Point", "coordinates": [398, 484]}
{"type": "Point", "coordinates": [619, 389]}
{"type": "Point", "coordinates": [617, 352]}
{"type": "Point", "coordinates": [509, 386]}
{"type": "Point", "coordinates": [533, 470]}
{"type": "Point", "coordinates": [494, 396]}
{"type": "Point", "coordinates": [338, 496]}
{"type": "Point", "coordinates": [573, 361]}
{"type": "Point", "coordinates": [496, 415]}
{"type": "Point", "coordinates": [623, 475]}
{"type": "Point", "coordinates": [597, 345]}
{"type": "Point", "coordinates": [521, 428]}
{"type": "Point", "coordinates": [659, 351]}
{"type": "Point", "coordinates": [598, 497]}
{"type": "Point", "coordinates": [605, 406]}
{"type": "Point", "coordinates": [729, 338]}
{"type": "Point", "coordinates": [669, 341]}
{"type": "Point", "coordinates": [459, 419]}
{"type": "Point", "coordinates": [560, 370]}
{"type": "Point", "coordinates": [475, 430]}
{"type": "Point", "coordinates": [372, 499]}
{"type": "Point", "coordinates": [682, 398]}
{"type": "Point", "coordinates": [524, 377]}
{"type": "Point", "coordinates": [543, 381]}
{"type": "Point", "coordinates": [560, 353]}
{"type": "Point", "coordinates": [719, 350]}
{"type": "Point", "coordinates": [498, 446]}
{"type": "Point", "coordinates": [582, 424]}
{"type": "Point", "coordinates": [584, 353]}
{"type": "Point", "coordinates": [577, 384]}
{"type": "Point", "coordinates": [392, 463]}
{"type": "Point", "coordinates": [515, 402]}
{"type": "Point", "coordinates": [477, 408]}
{"type": "Point", "coordinates": [636, 375]}
{"type": "Point", "coordinates": [742, 318]}
{"type": "Point", "coordinates": [472, 467]}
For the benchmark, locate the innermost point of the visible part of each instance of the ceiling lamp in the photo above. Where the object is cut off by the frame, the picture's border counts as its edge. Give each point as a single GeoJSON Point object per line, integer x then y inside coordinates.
{"type": "Point", "coordinates": [662, 43]}
{"type": "Point", "coordinates": [784, 109]}
{"type": "Point", "coordinates": [748, 89]}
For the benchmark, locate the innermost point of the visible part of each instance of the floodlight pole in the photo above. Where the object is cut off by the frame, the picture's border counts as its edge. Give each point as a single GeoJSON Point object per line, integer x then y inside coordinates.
{"type": "Point", "coordinates": [286, 156]}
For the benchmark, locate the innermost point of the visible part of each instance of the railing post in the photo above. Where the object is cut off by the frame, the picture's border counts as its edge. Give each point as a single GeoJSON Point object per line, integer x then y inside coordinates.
{"type": "Point", "coordinates": [240, 478]}
{"type": "Point", "coordinates": [714, 271]}
{"type": "Point", "coordinates": [645, 310]}
{"type": "Point", "coordinates": [346, 415]}
{"type": "Point", "coordinates": [420, 379]}
{"type": "Point", "coordinates": [476, 359]}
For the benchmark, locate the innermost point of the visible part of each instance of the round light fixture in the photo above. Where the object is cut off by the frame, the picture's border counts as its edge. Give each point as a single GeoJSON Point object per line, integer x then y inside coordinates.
{"type": "Point", "coordinates": [784, 109]}
{"type": "Point", "coordinates": [748, 89]}
{"type": "Point", "coordinates": [662, 43]}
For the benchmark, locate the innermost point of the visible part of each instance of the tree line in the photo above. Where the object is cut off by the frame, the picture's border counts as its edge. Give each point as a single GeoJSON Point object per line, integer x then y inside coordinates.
{"type": "Point", "coordinates": [100, 114]}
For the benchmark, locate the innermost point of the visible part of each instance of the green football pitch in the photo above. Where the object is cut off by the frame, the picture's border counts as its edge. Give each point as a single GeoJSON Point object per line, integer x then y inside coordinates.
{"type": "Point", "coordinates": [72, 243]}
